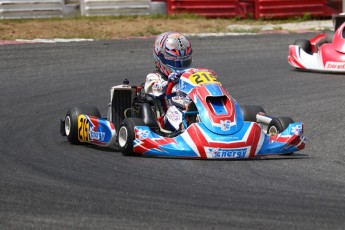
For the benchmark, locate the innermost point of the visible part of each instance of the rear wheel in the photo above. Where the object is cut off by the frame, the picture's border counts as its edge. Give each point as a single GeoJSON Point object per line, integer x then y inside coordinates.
{"type": "Point", "coordinates": [71, 121]}
{"type": "Point", "coordinates": [126, 135]}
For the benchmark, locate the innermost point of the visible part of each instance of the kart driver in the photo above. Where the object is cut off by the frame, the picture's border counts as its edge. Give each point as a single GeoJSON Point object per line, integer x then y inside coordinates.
{"type": "Point", "coordinates": [172, 53]}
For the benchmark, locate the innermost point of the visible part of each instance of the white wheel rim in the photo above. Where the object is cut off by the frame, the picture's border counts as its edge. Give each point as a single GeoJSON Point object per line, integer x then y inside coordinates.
{"type": "Point", "coordinates": [123, 136]}
{"type": "Point", "coordinates": [67, 125]}
{"type": "Point", "coordinates": [273, 131]}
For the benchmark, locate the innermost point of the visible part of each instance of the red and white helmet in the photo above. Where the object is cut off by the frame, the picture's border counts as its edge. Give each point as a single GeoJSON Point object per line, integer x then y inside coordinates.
{"type": "Point", "coordinates": [171, 52]}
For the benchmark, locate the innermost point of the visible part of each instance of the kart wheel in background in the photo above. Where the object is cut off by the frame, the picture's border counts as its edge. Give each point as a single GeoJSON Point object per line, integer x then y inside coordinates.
{"type": "Point", "coordinates": [278, 125]}
{"type": "Point", "coordinates": [126, 135]}
{"type": "Point", "coordinates": [304, 44]}
{"type": "Point", "coordinates": [71, 121]}
{"type": "Point", "coordinates": [249, 112]}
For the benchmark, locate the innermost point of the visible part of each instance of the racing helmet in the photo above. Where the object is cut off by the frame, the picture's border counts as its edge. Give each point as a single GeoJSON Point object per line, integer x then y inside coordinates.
{"type": "Point", "coordinates": [172, 52]}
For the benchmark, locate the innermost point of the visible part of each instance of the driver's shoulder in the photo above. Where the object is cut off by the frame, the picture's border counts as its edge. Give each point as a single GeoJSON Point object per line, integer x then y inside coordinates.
{"type": "Point", "coordinates": [156, 76]}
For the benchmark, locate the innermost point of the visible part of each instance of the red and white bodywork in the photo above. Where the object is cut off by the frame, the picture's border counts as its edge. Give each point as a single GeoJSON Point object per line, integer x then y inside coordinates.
{"type": "Point", "coordinates": [323, 56]}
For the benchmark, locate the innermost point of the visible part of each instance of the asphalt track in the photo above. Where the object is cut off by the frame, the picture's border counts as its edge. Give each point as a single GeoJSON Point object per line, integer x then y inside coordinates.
{"type": "Point", "coordinates": [46, 183]}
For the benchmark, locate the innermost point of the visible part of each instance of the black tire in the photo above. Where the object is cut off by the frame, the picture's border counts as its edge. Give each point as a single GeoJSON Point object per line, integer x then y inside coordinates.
{"type": "Point", "coordinates": [126, 135]}
{"type": "Point", "coordinates": [278, 125]}
{"type": "Point", "coordinates": [304, 44]}
{"type": "Point", "coordinates": [249, 112]}
{"type": "Point", "coordinates": [71, 121]}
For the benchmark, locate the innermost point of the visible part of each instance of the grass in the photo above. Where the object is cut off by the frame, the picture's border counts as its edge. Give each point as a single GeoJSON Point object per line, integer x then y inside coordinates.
{"type": "Point", "coordinates": [111, 27]}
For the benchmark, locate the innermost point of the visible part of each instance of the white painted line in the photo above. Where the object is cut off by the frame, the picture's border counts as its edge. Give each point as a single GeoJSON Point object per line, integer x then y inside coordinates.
{"type": "Point", "coordinates": [55, 40]}
{"type": "Point", "coordinates": [217, 34]}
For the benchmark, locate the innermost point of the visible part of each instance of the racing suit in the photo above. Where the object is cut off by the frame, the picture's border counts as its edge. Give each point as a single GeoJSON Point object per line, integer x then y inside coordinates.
{"type": "Point", "coordinates": [156, 85]}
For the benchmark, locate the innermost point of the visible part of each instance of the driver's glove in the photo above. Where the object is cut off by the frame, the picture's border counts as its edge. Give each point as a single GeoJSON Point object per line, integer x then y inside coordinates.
{"type": "Point", "coordinates": [174, 77]}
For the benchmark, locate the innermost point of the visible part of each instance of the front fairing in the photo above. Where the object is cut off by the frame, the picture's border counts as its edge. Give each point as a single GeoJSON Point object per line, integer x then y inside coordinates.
{"type": "Point", "coordinates": [290, 140]}
{"type": "Point", "coordinates": [326, 59]}
{"type": "Point", "coordinates": [197, 141]}
{"type": "Point", "coordinates": [298, 58]}
{"type": "Point", "coordinates": [218, 111]}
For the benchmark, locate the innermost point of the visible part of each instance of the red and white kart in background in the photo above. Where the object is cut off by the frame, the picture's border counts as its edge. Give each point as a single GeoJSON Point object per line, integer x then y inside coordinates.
{"type": "Point", "coordinates": [318, 54]}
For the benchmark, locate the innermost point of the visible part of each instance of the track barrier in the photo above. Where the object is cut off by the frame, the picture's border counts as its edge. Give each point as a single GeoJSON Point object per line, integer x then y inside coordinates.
{"type": "Point", "coordinates": [114, 7]}
{"type": "Point", "coordinates": [271, 9]}
{"type": "Point", "coordinates": [292, 8]}
{"type": "Point", "coordinates": [31, 8]}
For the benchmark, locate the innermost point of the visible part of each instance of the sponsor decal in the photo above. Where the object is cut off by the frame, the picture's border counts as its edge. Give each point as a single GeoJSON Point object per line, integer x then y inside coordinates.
{"type": "Point", "coordinates": [97, 136]}
{"type": "Point", "coordinates": [83, 128]}
{"type": "Point", "coordinates": [297, 130]}
{"type": "Point", "coordinates": [226, 152]}
{"type": "Point", "coordinates": [202, 78]}
{"type": "Point", "coordinates": [142, 134]}
{"type": "Point", "coordinates": [88, 132]}
{"type": "Point", "coordinates": [335, 65]}
{"type": "Point", "coordinates": [225, 125]}
{"type": "Point", "coordinates": [173, 114]}
{"type": "Point", "coordinates": [183, 85]}
{"type": "Point", "coordinates": [157, 87]}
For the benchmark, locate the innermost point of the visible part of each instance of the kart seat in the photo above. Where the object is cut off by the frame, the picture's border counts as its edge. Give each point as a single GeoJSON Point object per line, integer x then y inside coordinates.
{"type": "Point", "coordinates": [146, 113]}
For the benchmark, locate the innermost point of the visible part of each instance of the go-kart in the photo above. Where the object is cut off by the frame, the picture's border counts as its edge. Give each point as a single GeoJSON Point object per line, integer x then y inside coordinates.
{"type": "Point", "coordinates": [319, 53]}
{"type": "Point", "coordinates": [212, 124]}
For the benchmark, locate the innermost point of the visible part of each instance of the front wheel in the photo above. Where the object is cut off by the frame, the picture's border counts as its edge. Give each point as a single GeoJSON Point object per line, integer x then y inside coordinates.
{"type": "Point", "coordinates": [304, 44]}
{"type": "Point", "coordinates": [126, 135]}
{"type": "Point", "coordinates": [278, 125]}
{"type": "Point", "coordinates": [249, 112]}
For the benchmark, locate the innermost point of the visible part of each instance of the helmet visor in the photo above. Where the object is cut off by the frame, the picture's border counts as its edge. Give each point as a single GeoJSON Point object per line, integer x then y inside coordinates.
{"type": "Point", "coordinates": [179, 63]}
